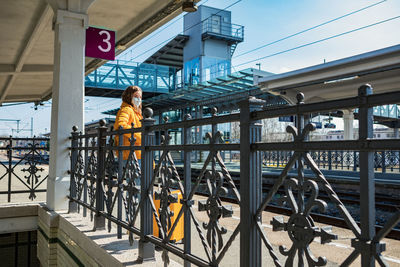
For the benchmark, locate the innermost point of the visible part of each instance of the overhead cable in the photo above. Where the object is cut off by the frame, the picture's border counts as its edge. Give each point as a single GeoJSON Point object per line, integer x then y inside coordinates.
{"type": "Point", "coordinates": [309, 29]}
{"type": "Point", "coordinates": [319, 41]}
{"type": "Point", "coordinates": [305, 30]}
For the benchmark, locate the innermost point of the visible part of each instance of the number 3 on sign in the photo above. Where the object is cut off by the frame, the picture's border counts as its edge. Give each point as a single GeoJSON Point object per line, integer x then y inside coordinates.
{"type": "Point", "coordinates": [105, 40]}
{"type": "Point", "coordinates": [100, 43]}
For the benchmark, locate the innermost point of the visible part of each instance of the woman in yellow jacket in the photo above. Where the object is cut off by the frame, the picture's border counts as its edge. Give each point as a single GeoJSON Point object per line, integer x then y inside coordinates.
{"type": "Point", "coordinates": [130, 112]}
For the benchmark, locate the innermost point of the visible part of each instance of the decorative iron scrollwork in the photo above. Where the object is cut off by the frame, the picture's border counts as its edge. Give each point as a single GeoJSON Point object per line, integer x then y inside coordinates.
{"type": "Point", "coordinates": [128, 184]}
{"type": "Point", "coordinates": [300, 226]}
{"type": "Point", "coordinates": [110, 171]}
{"type": "Point", "coordinates": [33, 176]}
{"type": "Point", "coordinates": [79, 173]}
{"type": "Point", "coordinates": [216, 181]}
{"type": "Point", "coordinates": [215, 209]}
{"type": "Point", "coordinates": [169, 180]}
{"type": "Point", "coordinates": [91, 171]}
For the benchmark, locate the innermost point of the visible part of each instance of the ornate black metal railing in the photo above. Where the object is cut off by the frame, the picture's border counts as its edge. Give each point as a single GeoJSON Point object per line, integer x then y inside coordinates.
{"type": "Point", "coordinates": [23, 166]}
{"type": "Point", "coordinates": [109, 187]}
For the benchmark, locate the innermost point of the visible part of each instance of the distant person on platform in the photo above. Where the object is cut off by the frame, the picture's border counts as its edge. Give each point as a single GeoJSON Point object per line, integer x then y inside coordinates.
{"type": "Point", "coordinates": [130, 112]}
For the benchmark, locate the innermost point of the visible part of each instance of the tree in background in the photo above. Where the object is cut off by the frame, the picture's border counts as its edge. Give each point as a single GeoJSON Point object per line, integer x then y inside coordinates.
{"type": "Point", "coordinates": [273, 130]}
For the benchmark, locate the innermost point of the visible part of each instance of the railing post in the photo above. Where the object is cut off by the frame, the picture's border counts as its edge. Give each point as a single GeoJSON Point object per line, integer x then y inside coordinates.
{"type": "Point", "coordinates": [73, 207]}
{"type": "Point", "coordinates": [120, 181]}
{"type": "Point", "coordinates": [84, 213]}
{"type": "Point", "coordinates": [355, 161]}
{"type": "Point", "coordinates": [146, 249]}
{"type": "Point", "coordinates": [187, 184]}
{"type": "Point", "coordinates": [367, 186]}
{"type": "Point", "coordinates": [329, 158]}
{"type": "Point", "coordinates": [341, 159]}
{"type": "Point", "coordinates": [300, 124]}
{"type": "Point", "coordinates": [383, 159]}
{"type": "Point", "coordinates": [182, 117]}
{"type": "Point", "coordinates": [200, 132]}
{"type": "Point", "coordinates": [250, 184]}
{"type": "Point", "coordinates": [214, 130]}
{"type": "Point", "coordinates": [277, 158]}
{"type": "Point", "coordinates": [9, 154]}
{"type": "Point", "coordinates": [99, 221]}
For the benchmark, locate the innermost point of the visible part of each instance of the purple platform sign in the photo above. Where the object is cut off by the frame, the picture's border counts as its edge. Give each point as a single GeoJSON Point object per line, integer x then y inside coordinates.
{"type": "Point", "coordinates": [100, 43]}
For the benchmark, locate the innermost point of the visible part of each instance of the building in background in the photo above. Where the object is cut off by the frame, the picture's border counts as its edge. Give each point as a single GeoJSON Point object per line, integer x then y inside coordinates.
{"type": "Point", "coordinates": [212, 40]}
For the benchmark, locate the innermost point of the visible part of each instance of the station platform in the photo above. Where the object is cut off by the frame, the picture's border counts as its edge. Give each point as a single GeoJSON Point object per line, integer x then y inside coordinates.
{"type": "Point", "coordinates": [335, 251]}
{"type": "Point", "coordinates": [105, 244]}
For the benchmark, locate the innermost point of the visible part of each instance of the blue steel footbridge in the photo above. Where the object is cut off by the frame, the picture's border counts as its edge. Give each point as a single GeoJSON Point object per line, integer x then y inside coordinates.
{"type": "Point", "coordinates": [113, 77]}
{"type": "Point", "coordinates": [163, 88]}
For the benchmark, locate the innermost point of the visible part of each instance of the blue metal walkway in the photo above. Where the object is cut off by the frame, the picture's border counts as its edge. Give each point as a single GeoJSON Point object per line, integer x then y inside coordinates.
{"type": "Point", "coordinates": [388, 111]}
{"type": "Point", "coordinates": [160, 86]}
{"type": "Point", "coordinates": [113, 77]}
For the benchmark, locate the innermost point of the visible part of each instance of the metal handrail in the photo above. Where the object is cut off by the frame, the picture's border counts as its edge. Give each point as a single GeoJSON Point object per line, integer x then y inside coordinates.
{"type": "Point", "coordinates": [385, 161]}
{"type": "Point", "coordinates": [224, 29]}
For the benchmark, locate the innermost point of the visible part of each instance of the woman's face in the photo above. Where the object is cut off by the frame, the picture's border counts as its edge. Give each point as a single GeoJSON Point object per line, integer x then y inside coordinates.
{"type": "Point", "coordinates": [138, 94]}
{"type": "Point", "coordinates": [137, 98]}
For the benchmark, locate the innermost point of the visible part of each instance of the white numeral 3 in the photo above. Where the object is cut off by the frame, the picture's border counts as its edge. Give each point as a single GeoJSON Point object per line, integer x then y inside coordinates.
{"type": "Point", "coordinates": [106, 40]}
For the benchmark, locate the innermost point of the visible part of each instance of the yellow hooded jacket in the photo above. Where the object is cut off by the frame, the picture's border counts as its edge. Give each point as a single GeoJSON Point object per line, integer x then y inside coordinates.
{"type": "Point", "coordinates": [127, 115]}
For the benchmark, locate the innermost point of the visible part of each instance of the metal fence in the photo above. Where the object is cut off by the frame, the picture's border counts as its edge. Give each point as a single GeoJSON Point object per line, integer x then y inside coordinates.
{"type": "Point", "coordinates": [343, 160]}
{"type": "Point", "coordinates": [109, 187]}
{"type": "Point", "coordinates": [23, 167]}
{"type": "Point", "coordinates": [224, 29]}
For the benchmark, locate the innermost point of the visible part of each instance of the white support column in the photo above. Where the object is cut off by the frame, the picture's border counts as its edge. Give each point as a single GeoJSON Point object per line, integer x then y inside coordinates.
{"type": "Point", "coordinates": [70, 23]}
{"type": "Point", "coordinates": [348, 119]}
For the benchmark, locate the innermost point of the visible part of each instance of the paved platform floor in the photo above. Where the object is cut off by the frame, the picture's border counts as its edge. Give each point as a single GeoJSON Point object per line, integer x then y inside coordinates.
{"type": "Point", "coordinates": [118, 248]}
{"type": "Point", "coordinates": [335, 252]}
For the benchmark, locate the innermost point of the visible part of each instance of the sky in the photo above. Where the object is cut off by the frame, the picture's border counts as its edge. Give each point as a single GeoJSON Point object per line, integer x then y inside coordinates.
{"type": "Point", "coordinates": [264, 22]}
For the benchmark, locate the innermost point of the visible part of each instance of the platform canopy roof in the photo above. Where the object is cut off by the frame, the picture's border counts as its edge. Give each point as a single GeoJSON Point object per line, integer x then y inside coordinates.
{"type": "Point", "coordinates": [27, 39]}
{"type": "Point", "coordinates": [171, 54]}
{"type": "Point", "coordinates": [340, 78]}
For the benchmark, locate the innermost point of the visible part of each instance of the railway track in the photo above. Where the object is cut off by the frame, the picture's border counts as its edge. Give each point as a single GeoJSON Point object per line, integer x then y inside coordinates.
{"type": "Point", "coordinates": [381, 202]}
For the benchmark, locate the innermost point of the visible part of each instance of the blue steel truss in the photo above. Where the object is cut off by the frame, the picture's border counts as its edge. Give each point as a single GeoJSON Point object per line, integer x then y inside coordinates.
{"type": "Point", "coordinates": [389, 111]}
{"type": "Point", "coordinates": [120, 74]}
{"type": "Point", "coordinates": [386, 111]}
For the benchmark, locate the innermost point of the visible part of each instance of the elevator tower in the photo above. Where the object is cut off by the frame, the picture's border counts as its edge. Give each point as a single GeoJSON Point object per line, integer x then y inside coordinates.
{"type": "Point", "coordinates": [212, 41]}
